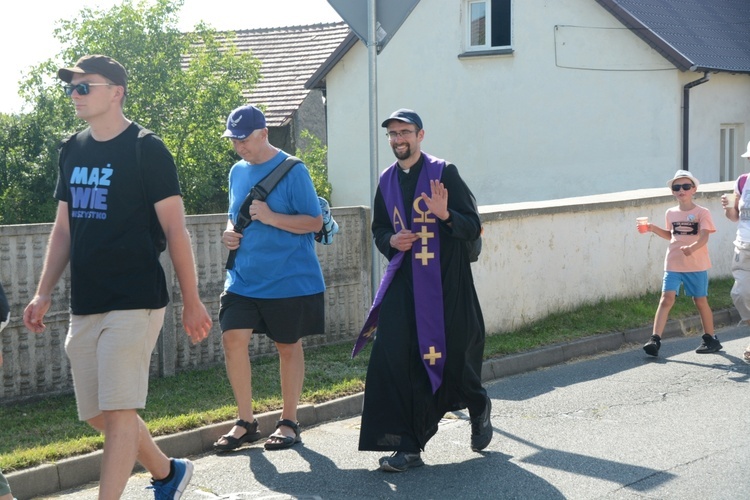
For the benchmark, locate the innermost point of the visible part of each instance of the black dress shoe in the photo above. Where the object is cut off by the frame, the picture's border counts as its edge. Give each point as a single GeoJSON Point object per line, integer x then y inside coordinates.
{"type": "Point", "coordinates": [400, 461]}
{"type": "Point", "coordinates": [481, 429]}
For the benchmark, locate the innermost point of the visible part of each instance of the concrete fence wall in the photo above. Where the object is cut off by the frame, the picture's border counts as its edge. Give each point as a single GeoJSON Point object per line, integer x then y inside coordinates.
{"type": "Point", "coordinates": [538, 258]}
{"type": "Point", "coordinates": [552, 256]}
{"type": "Point", "coordinates": [36, 365]}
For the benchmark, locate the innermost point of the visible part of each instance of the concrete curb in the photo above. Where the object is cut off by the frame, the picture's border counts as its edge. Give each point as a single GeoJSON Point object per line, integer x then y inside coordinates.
{"type": "Point", "coordinates": [77, 471]}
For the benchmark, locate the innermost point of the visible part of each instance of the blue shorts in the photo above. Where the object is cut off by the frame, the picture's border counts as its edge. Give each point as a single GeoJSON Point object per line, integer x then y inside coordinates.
{"type": "Point", "coordinates": [695, 284]}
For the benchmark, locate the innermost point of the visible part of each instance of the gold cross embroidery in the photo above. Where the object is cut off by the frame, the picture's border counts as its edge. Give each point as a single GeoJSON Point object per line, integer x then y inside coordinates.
{"type": "Point", "coordinates": [425, 235]}
{"type": "Point", "coordinates": [424, 255]}
{"type": "Point", "coordinates": [432, 356]}
{"type": "Point", "coordinates": [369, 332]}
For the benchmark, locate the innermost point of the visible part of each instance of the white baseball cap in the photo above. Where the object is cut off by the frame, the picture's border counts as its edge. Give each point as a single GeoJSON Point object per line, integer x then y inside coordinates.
{"type": "Point", "coordinates": [747, 153]}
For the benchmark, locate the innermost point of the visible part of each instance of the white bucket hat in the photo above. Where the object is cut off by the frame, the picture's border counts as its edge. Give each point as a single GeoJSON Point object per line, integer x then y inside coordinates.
{"type": "Point", "coordinates": [747, 153]}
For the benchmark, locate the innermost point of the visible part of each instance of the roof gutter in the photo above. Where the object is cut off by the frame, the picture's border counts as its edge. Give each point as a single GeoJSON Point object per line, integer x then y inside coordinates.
{"type": "Point", "coordinates": [686, 116]}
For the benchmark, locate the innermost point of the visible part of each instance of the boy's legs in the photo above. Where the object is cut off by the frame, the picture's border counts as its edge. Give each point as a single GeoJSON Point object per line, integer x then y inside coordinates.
{"type": "Point", "coordinates": [670, 287]}
{"type": "Point", "coordinates": [706, 314]}
{"type": "Point", "coordinates": [662, 312]}
{"type": "Point", "coordinates": [696, 286]}
{"type": "Point", "coordinates": [709, 341]}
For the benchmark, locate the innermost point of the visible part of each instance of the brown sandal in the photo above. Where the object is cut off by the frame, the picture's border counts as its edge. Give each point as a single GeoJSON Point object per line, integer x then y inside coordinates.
{"type": "Point", "coordinates": [232, 443]}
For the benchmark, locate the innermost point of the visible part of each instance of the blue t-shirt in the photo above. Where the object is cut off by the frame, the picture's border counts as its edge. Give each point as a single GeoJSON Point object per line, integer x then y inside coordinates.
{"type": "Point", "coordinates": [272, 263]}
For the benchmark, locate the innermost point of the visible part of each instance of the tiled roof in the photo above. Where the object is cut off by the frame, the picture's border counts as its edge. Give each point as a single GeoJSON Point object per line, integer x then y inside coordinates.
{"type": "Point", "coordinates": [698, 35]}
{"type": "Point", "coordinates": [289, 57]}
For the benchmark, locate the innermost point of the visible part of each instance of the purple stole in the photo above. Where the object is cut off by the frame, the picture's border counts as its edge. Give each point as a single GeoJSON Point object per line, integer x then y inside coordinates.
{"type": "Point", "coordinates": [425, 258]}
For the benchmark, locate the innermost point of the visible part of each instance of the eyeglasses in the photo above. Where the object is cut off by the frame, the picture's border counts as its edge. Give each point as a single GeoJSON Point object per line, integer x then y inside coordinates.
{"type": "Point", "coordinates": [404, 133]}
{"type": "Point", "coordinates": [686, 187]}
{"type": "Point", "coordinates": [83, 88]}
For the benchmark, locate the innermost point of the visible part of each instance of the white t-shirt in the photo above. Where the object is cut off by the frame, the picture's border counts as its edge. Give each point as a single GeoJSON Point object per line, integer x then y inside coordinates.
{"type": "Point", "coordinates": [743, 228]}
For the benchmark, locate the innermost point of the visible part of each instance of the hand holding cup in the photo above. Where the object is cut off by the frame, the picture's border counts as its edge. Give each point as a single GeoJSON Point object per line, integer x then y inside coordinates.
{"type": "Point", "coordinates": [642, 223]}
{"type": "Point", "coordinates": [728, 200]}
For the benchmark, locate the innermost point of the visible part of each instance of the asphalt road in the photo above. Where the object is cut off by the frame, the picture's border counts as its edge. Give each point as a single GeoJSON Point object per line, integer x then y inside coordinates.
{"type": "Point", "coordinates": [616, 426]}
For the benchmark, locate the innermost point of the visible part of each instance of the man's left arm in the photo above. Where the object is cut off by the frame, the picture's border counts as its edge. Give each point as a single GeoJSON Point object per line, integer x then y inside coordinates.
{"type": "Point", "coordinates": [195, 317]}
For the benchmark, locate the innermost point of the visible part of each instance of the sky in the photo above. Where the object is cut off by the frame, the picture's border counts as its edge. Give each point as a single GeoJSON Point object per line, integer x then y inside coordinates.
{"type": "Point", "coordinates": [26, 28]}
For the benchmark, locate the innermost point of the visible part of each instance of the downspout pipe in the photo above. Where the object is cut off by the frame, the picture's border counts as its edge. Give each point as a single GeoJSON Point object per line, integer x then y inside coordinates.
{"type": "Point", "coordinates": [686, 117]}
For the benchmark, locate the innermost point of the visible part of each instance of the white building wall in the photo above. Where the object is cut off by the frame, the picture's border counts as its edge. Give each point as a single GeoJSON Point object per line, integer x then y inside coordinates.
{"type": "Point", "coordinates": [581, 107]}
{"type": "Point", "coordinates": [723, 100]}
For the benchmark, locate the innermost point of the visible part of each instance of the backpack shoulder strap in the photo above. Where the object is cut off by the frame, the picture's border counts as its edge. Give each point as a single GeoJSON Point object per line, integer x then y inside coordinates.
{"type": "Point", "coordinates": [259, 192]}
{"type": "Point", "coordinates": [263, 188]}
{"type": "Point", "coordinates": [142, 132]}
{"type": "Point", "coordinates": [62, 148]}
{"type": "Point", "coordinates": [741, 182]}
{"type": "Point", "coordinates": [157, 233]}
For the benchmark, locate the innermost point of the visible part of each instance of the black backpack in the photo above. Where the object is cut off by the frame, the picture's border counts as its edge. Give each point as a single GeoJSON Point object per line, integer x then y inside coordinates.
{"type": "Point", "coordinates": [473, 247]}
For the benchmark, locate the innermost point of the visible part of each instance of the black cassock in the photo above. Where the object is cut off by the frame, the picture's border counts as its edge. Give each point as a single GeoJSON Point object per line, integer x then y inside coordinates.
{"type": "Point", "coordinates": [400, 411]}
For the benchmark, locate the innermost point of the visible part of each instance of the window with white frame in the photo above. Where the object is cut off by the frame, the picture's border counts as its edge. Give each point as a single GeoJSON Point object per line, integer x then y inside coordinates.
{"type": "Point", "coordinates": [488, 24]}
{"type": "Point", "coordinates": [729, 152]}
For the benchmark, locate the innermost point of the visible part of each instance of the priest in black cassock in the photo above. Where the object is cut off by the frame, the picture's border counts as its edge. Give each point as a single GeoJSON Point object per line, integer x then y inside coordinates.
{"type": "Point", "coordinates": [426, 321]}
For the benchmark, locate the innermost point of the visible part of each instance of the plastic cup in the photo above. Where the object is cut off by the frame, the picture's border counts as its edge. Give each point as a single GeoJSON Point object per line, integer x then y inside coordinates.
{"type": "Point", "coordinates": [642, 224]}
{"type": "Point", "coordinates": [731, 199]}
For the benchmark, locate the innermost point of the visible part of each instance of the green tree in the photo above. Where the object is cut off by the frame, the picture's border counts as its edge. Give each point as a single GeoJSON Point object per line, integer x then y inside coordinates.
{"type": "Point", "coordinates": [27, 177]}
{"type": "Point", "coordinates": [181, 86]}
{"type": "Point", "coordinates": [314, 156]}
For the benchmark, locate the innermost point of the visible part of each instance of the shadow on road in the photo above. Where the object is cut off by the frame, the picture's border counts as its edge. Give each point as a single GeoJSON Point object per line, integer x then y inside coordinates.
{"type": "Point", "coordinates": [471, 479]}
{"type": "Point", "coordinates": [629, 359]}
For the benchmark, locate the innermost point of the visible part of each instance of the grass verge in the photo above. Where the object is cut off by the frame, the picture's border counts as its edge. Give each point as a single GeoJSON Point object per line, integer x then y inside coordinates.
{"type": "Point", "coordinates": [49, 430]}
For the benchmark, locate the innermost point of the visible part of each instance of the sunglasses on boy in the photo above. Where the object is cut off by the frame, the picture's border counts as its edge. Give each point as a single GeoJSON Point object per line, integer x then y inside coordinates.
{"type": "Point", "coordinates": [686, 187]}
{"type": "Point", "coordinates": [83, 88]}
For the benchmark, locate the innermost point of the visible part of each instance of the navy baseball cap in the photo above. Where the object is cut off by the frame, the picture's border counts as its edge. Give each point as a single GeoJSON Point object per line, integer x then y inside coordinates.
{"type": "Point", "coordinates": [243, 121]}
{"type": "Point", "coordinates": [404, 115]}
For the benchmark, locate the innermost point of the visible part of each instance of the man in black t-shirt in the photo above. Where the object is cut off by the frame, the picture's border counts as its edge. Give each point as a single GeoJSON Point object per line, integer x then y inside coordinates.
{"type": "Point", "coordinates": [5, 493]}
{"type": "Point", "coordinates": [107, 204]}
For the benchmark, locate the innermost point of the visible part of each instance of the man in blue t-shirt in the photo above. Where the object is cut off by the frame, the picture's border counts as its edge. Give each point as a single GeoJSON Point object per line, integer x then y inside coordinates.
{"type": "Point", "coordinates": [275, 285]}
{"type": "Point", "coordinates": [108, 204]}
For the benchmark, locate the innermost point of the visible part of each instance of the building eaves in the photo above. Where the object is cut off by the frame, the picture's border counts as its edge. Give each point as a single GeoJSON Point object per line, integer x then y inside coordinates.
{"type": "Point", "coordinates": [694, 35]}
{"type": "Point", "coordinates": [318, 78]}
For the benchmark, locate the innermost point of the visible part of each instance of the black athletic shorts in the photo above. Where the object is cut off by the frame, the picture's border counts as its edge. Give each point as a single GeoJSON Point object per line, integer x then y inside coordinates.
{"type": "Point", "coordinates": [283, 320]}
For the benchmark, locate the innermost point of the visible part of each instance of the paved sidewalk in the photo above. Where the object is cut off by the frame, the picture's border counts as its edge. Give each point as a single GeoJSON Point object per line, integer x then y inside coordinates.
{"type": "Point", "coordinates": [49, 479]}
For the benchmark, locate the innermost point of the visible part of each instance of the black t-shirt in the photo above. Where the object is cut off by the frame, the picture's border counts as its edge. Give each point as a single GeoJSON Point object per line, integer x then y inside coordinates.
{"type": "Point", "coordinates": [114, 264]}
{"type": "Point", "coordinates": [4, 307]}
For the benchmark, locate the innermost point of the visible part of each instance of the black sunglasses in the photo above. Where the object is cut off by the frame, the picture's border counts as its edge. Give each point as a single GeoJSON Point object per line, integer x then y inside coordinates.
{"type": "Point", "coordinates": [83, 88]}
{"type": "Point", "coordinates": [686, 187]}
